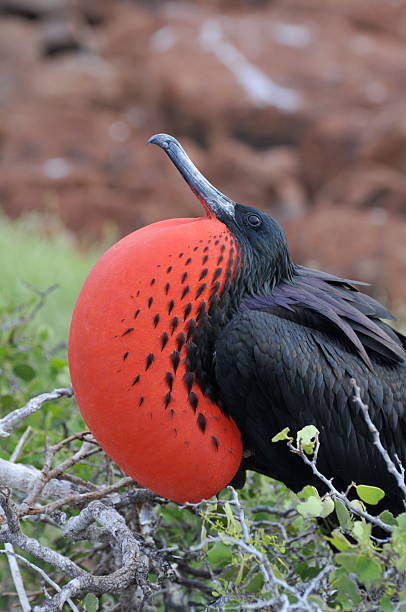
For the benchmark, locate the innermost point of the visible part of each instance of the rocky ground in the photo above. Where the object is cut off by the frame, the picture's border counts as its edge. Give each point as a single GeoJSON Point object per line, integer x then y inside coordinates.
{"type": "Point", "coordinates": [294, 106]}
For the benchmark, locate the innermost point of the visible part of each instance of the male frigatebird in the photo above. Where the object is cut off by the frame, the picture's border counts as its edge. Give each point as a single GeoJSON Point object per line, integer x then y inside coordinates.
{"type": "Point", "coordinates": [194, 341]}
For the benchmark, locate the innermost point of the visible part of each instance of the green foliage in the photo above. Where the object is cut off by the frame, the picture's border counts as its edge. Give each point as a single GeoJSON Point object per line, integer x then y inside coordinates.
{"type": "Point", "coordinates": [282, 435]}
{"type": "Point", "coordinates": [313, 505]}
{"type": "Point", "coordinates": [29, 365]}
{"type": "Point", "coordinates": [306, 438]}
{"type": "Point", "coordinates": [91, 603]}
{"type": "Point", "coordinates": [370, 495]}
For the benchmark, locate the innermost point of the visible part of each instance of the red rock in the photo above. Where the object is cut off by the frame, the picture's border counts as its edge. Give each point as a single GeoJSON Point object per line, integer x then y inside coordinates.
{"type": "Point", "coordinates": [355, 244]}
{"type": "Point", "coordinates": [378, 188]}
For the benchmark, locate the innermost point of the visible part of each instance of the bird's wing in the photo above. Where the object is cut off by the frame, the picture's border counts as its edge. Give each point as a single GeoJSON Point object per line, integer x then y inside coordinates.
{"type": "Point", "coordinates": [283, 362]}
{"type": "Point", "coordinates": [328, 303]}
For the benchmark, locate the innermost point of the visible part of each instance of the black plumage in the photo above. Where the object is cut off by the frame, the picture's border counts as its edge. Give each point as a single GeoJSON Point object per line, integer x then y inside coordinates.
{"type": "Point", "coordinates": [286, 359]}
{"type": "Point", "coordinates": [283, 366]}
{"type": "Point", "coordinates": [287, 340]}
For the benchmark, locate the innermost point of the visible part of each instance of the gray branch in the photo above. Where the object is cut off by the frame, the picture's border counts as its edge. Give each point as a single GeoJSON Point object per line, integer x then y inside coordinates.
{"type": "Point", "coordinates": [135, 561]}
{"type": "Point", "coordinates": [10, 532]}
{"type": "Point", "coordinates": [43, 574]}
{"type": "Point", "coordinates": [21, 478]}
{"type": "Point", "coordinates": [335, 493]}
{"type": "Point", "coordinates": [397, 471]}
{"type": "Point", "coordinates": [12, 420]}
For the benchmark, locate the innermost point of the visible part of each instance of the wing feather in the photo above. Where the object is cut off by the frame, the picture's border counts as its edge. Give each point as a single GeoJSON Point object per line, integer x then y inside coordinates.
{"type": "Point", "coordinates": [334, 305]}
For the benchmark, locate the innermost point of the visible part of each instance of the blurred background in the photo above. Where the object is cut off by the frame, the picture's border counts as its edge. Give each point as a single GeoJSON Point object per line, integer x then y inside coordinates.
{"type": "Point", "coordinates": [294, 106]}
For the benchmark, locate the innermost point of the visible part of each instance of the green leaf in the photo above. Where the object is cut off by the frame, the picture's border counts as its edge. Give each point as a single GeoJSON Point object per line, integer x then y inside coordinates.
{"type": "Point", "coordinates": [344, 517]}
{"type": "Point", "coordinates": [24, 371]}
{"type": "Point", "coordinates": [91, 603]}
{"type": "Point", "coordinates": [256, 584]}
{"type": "Point", "coordinates": [312, 507]}
{"type": "Point", "coordinates": [306, 438]}
{"type": "Point", "coordinates": [219, 554]}
{"type": "Point", "coordinates": [319, 603]}
{"type": "Point", "coordinates": [368, 570]}
{"type": "Point", "coordinates": [8, 402]}
{"type": "Point", "coordinates": [357, 503]}
{"type": "Point", "coordinates": [43, 334]}
{"type": "Point", "coordinates": [370, 495]}
{"type": "Point", "coordinates": [347, 591]}
{"type": "Point", "coordinates": [231, 520]}
{"type": "Point", "coordinates": [307, 571]}
{"type": "Point", "coordinates": [338, 540]}
{"type": "Point", "coordinates": [282, 435]}
{"type": "Point", "coordinates": [386, 604]}
{"type": "Point", "coordinates": [327, 506]}
{"type": "Point", "coordinates": [362, 532]}
{"type": "Point", "coordinates": [387, 517]}
{"type": "Point", "coordinates": [58, 364]}
{"type": "Point", "coordinates": [308, 491]}
{"type": "Point", "coordinates": [401, 520]}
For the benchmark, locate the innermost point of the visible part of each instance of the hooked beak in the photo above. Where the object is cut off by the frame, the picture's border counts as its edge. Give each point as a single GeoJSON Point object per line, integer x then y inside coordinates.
{"type": "Point", "coordinates": [215, 202]}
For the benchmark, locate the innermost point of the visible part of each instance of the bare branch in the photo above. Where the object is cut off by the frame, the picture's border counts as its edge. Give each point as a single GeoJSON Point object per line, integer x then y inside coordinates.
{"type": "Point", "coordinates": [76, 500]}
{"type": "Point", "coordinates": [12, 420]}
{"type": "Point", "coordinates": [16, 452]}
{"type": "Point", "coordinates": [17, 578]}
{"type": "Point", "coordinates": [9, 549]}
{"type": "Point", "coordinates": [44, 576]}
{"type": "Point", "coordinates": [11, 532]}
{"type": "Point", "coordinates": [87, 449]}
{"type": "Point", "coordinates": [397, 471]}
{"type": "Point", "coordinates": [135, 562]}
{"type": "Point", "coordinates": [20, 477]}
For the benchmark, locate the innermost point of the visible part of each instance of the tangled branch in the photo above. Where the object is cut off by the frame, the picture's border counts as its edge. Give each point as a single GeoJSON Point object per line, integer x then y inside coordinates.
{"type": "Point", "coordinates": [120, 521]}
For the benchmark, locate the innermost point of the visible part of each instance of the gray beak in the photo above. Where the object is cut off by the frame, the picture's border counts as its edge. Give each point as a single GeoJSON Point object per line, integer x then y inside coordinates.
{"type": "Point", "coordinates": [215, 202]}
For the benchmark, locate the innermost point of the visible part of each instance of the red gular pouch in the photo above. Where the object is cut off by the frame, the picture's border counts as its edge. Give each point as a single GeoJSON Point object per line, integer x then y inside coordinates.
{"type": "Point", "coordinates": [131, 355]}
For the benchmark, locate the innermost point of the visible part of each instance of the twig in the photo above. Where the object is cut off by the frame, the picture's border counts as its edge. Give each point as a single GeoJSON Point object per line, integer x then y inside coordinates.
{"type": "Point", "coordinates": [16, 452]}
{"type": "Point", "coordinates": [44, 576]}
{"type": "Point", "coordinates": [46, 474]}
{"type": "Point", "coordinates": [11, 420]}
{"type": "Point", "coordinates": [11, 532]}
{"type": "Point", "coordinates": [76, 500]}
{"type": "Point", "coordinates": [397, 471]}
{"type": "Point", "coordinates": [21, 477]}
{"type": "Point", "coordinates": [241, 515]}
{"type": "Point", "coordinates": [272, 582]}
{"type": "Point", "coordinates": [9, 549]}
{"type": "Point", "coordinates": [16, 575]}
{"type": "Point", "coordinates": [31, 315]}
{"type": "Point", "coordinates": [343, 498]}
{"type": "Point", "coordinates": [271, 510]}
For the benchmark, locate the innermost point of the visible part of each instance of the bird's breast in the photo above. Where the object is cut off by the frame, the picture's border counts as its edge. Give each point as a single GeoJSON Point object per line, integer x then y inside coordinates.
{"type": "Point", "coordinates": [131, 350]}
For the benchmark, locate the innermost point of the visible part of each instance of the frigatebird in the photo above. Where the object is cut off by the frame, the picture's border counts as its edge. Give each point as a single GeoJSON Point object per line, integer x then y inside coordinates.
{"type": "Point", "coordinates": [195, 341]}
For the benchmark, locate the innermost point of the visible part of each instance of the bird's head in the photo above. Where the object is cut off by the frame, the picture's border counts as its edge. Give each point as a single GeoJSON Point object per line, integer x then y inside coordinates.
{"type": "Point", "coordinates": [263, 248]}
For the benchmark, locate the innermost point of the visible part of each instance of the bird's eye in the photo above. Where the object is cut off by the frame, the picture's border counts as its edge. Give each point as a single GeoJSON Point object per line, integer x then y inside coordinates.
{"type": "Point", "coordinates": [254, 220]}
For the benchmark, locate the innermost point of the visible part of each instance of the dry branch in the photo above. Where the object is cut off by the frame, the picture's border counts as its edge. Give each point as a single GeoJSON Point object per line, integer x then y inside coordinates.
{"type": "Point", "coordinates": [12, 420]}
{"type": "Point", "coordinates": [398, 471]}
